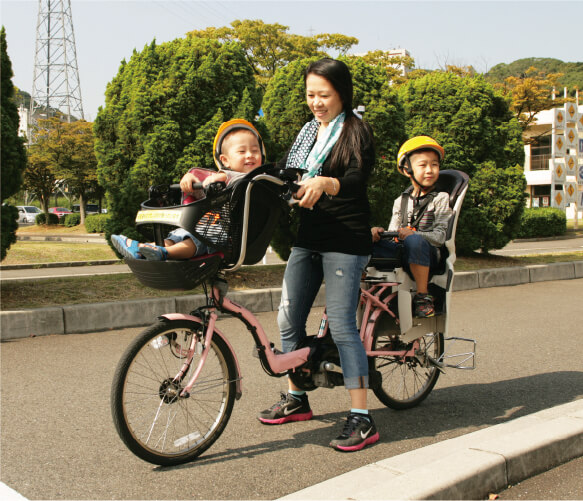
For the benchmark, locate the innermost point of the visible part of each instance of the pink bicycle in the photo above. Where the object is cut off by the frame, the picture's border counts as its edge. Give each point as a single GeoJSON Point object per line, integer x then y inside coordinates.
{"type": "Point", "coordinates": [175, 386]}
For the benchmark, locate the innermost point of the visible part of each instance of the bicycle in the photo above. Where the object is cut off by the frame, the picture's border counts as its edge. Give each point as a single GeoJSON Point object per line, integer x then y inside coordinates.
{"type": "Point", "coordinates": [175, 386]}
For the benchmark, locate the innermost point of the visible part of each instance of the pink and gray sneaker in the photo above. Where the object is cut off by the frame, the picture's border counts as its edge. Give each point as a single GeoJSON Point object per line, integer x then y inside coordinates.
{"type": "Point", "coordinates": [289, 408]}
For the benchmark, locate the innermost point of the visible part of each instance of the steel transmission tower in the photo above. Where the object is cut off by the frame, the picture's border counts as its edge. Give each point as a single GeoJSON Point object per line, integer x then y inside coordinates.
{"type": "Point", "coordinates": [56, 86]}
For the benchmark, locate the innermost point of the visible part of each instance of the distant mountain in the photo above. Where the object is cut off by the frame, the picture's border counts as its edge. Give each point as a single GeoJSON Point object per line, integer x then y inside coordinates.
{"type": "Point", "coordinates": [572, 72]}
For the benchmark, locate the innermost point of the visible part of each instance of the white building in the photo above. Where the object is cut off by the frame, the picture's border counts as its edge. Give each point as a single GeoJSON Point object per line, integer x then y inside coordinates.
{"type": "Point", "coordinates": [554, 159]}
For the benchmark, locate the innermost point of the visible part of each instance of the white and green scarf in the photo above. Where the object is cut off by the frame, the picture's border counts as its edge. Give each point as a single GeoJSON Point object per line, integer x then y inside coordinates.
{"type": "Point", "coordinates": [303, 156]}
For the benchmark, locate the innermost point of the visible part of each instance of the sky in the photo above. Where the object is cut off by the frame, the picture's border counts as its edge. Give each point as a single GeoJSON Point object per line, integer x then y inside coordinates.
{"type": "Point", "coordinates": [436, 33]}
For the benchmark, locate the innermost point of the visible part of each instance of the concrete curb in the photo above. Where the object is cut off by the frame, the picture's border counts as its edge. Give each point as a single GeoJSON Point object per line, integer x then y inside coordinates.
{"type": "Point", "coordinates": [92, 317]}
{"type": "Point", "coordinates": [467, 467]}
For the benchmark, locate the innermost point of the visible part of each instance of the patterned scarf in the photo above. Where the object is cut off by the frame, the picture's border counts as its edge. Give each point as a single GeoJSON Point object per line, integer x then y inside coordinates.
{"type": "Point", "coordinates": [303, 156]}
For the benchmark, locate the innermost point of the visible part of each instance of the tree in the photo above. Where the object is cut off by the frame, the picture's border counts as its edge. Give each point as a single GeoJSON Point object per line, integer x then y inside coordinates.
{"type": "Point", "coordinates": [286, 112]}
{"type": "Point", "coordinates": [12, 151]}
{"type": "Point", "coordinates": [530, 93]}
{"type": "Point", "coordinates": [161, 113]}
{"type": "Point", "coordinates": [269, 46]}
{"type": "Point", "coordinates": [391, 63]}
{"type": "Point", "coordinates": [39, 176]}
{"type": "Point", "coordinates": [481, 137]}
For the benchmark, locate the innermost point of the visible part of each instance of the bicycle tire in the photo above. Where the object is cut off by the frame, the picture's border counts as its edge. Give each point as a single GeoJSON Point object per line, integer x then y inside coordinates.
{"type": "Point", "coordinates": [155, 423]}
{"type": "Point", "coordinates": [406, 382]}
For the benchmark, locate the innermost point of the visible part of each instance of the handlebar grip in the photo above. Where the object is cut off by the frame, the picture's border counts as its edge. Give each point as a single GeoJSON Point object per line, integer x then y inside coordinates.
{"type": "Point", "coordinates": [195, 186]}
{"type": "Point", "coordinates": [389, 234]}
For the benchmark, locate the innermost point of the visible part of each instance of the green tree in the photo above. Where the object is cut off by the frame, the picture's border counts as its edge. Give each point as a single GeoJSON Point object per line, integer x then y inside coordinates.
{"type": "Point", "coordinates": [161, 113]}
{"type": "Point", "coordinates": [39, 175]}
{"type": "Point", "coordinates": [481, 137]}
{"type": "Point", "coordinates": [12, 151]}
{"type": "Point", "coordinates": [269, 46]}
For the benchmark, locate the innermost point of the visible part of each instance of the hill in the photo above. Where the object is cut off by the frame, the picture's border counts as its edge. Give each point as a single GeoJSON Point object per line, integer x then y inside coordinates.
{"type": "Point", "coordinates": [572, 72]}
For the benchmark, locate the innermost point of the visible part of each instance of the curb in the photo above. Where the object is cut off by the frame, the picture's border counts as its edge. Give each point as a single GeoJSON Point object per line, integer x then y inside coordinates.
{"type": "Point", "coordinates": [467, 467]}
{"type": "Point", "coordinates": [91, 317]}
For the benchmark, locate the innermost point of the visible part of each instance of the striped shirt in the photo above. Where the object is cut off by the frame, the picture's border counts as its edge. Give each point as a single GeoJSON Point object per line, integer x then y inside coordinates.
{"type": "Point", "coordinates": [433, 224]}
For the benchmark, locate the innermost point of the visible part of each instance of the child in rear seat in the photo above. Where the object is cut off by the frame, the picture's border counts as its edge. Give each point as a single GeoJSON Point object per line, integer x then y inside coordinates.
{"type": "Point", "coordinates": [420, 219]}
{"type": "Point", "coordinates": [238, 149]}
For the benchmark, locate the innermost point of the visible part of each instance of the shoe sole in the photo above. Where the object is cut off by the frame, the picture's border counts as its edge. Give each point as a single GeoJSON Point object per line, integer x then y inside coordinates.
{"type": "Point", "coordinates": [352, 448]}
{"type": "Point", "coordinates": [293, 417]}
{"type": "Point", "coordinates": [150, 254]}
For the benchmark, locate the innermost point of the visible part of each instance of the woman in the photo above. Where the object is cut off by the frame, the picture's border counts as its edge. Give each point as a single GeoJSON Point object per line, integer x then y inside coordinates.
{"type": "Point", "coordinates": [336, 148]}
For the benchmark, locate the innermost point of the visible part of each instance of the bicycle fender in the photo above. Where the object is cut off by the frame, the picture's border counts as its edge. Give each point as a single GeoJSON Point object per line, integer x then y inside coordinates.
{"type": "Point", "coordinates": [217, 332]}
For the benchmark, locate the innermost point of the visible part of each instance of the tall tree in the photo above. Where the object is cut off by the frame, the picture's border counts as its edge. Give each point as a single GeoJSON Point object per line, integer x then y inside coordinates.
{"type": "Point", "coordinates": [530, 93]}
{"type": "Point", "coordinates": [12, 151]}
{"type": "Point", "coordinates": [269, 46]}
{"type": "Point", "coordinates": [161, 112]}
{"type": "Point", "coordinates": [481, 137]}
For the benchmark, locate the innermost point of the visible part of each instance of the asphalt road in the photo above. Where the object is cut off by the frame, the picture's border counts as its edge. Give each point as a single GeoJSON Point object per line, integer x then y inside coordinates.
{"type": "Point", "coordinates": [58, 440]}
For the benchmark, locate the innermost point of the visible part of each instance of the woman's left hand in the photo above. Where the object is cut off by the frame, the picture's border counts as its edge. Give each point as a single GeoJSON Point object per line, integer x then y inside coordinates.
{"type": "Point", "coordinates": [310, 191]}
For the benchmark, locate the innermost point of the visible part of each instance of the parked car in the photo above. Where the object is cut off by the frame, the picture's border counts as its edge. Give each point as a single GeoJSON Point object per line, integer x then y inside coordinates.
{"type": "Point", "coordinates": [27, 213]}
{"type": "Point", "coordinates": [90, 209]}
{"type": "Point", "coordinates": [60, 211]}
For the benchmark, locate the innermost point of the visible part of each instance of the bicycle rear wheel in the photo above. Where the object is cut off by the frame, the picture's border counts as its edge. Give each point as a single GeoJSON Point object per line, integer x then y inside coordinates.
{"type": "Point", "coordinates": [406, 381]}
{"type": "Point", "coordinates": [153, 420]}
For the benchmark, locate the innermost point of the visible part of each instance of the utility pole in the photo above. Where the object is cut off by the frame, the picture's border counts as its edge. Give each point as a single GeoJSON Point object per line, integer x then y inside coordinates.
{"type": "Point", "coordinates": [56, 88]}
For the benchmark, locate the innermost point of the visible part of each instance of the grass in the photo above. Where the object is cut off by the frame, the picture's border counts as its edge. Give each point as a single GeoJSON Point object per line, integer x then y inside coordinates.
{"type": "Point", "coordinates": [122, 287]}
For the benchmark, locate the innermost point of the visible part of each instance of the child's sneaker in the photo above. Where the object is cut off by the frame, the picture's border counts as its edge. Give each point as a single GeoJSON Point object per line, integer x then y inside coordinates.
{"type": "Point", "coordinates": [359, 431]}
{"type": "Point", "coordinates": [423, 306]}
{"type": "Point", "coordinates": [127, 247]}
{"type": "Point", "coordinates": [153, 252]}
{"type": "Point", "coordinates": [289, 408]}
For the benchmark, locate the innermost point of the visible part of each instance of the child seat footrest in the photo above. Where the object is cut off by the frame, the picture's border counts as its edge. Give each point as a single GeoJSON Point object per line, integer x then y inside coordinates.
{"type": "Point", "coordinates": [175, 275]}
{"type": "Point", "coordinates": [385, 263]}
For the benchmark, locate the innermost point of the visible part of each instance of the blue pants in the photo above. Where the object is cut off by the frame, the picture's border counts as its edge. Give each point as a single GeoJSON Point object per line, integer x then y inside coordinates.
{"type": "Point", "coordinates": [303, 276]}
{"type": "Point", "coordinates": [415, 249]}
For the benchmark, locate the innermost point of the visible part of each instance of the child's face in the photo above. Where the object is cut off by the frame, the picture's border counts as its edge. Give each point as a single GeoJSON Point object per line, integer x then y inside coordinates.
{"type": "Point", "coordinates": [425, 167]}
{"type": "Point", "coordinates": [241, 151]}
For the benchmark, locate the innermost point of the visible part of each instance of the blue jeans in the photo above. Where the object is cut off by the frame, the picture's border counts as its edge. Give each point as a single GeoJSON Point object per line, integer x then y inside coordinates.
{"type": "Point", "coordinates": [416, 250]}
{"type": "Point", "coordinates": [303, 276]}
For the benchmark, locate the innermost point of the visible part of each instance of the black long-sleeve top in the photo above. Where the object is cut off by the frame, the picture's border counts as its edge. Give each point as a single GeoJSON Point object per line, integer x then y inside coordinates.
{"type": "Point", "coordinates": [340, 223]}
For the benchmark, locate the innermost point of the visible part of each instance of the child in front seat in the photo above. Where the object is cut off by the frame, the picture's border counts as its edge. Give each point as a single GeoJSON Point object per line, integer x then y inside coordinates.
{"type": "Point", "coordinates": [238, 149]}
{"type": "Point", "coordinates": [420, 216]}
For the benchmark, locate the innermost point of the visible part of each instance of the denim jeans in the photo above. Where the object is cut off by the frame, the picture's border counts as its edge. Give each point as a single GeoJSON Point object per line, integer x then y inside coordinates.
{"type": "Point", "coordinates": [303, 276]}
{"type": "Point", "coordinates": [416, 250]}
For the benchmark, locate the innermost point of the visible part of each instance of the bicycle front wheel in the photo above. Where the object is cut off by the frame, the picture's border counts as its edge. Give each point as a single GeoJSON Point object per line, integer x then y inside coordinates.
{"type": "Point", "coordinates": [154, 420]}
{"type": "Point", "coordinates": [406, 381]}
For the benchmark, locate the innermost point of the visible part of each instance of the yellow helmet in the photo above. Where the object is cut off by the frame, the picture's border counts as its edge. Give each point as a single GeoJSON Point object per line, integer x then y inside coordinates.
{"type": "Point", "coordinates": [415, 144]}
{"type": "Point", "coordinates": [228, 127]}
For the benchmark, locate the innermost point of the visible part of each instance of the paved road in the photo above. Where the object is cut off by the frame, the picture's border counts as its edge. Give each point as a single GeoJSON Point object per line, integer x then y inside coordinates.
{"type": "Point", "coordinates": [544, 246]}
{"type": "Point", "coordinates": [58, 441]}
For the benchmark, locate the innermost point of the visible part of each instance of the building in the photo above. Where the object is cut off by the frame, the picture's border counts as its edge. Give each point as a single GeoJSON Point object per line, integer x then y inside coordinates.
{"type": "Point", "coordinates": [554, 159]}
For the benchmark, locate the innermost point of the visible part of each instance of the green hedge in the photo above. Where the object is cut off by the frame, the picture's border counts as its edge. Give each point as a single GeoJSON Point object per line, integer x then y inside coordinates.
{"type": "Point", "coordinates": [542, 222]}
{"type": "Point", "coordinates": [96, 224]}
{"type": "Point", "coordinates": [42, 219]}
{"type": "Point", "coordinates": [72, 220]}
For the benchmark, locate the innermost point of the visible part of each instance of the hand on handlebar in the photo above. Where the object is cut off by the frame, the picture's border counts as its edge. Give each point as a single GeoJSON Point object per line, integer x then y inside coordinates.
{"type": "Point", "coordinates": [310, 192]}
{"type": "Point", "coordinates": [188, 182]}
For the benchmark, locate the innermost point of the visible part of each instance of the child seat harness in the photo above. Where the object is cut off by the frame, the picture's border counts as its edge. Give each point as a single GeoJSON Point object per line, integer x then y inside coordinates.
{"type": "Point", "coordinates": [419, 207]}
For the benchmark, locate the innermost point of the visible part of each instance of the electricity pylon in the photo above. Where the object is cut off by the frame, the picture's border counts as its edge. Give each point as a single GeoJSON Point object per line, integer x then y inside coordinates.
{"type": "Point", "coordinates": [56, 87]}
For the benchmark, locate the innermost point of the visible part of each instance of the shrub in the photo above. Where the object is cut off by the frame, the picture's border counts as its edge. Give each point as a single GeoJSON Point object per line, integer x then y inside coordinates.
{"type": "Point", "coordinates": [542, 222]}
{"type": "Point", "coordinates": [72, 220]}
{"type": "Point", "coordinates": [96, 224]}
{"type": "Point", "coordinates": [46, 219]}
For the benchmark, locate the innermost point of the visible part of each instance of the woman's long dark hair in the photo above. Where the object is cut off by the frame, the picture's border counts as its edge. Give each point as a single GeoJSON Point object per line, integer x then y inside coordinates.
{"type": "Point", "coordinates": [356, 134]}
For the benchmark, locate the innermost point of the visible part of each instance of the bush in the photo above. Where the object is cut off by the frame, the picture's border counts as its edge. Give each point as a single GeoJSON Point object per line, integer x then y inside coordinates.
{"type": "Point", "coordinates": [542, 222]}
{"type": "Point", "coordinates": [46, 219]}
{"type": "Point", "coordinates": [72, 220]}
{"type": "Point", "coordinates": [96, 224]}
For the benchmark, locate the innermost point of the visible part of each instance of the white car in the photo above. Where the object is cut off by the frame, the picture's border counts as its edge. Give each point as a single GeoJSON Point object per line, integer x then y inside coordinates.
{"type": "Point", "coordinates": [27, 213]}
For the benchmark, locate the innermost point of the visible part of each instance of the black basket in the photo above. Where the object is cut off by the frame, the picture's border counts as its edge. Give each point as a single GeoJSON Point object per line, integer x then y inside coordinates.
{"type": "Point", "coordinates": [175, 275]}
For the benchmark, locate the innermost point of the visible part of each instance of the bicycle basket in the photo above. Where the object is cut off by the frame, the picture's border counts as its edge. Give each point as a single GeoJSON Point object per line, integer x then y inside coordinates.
{"type": "Point", "coordinates": [175, 275]}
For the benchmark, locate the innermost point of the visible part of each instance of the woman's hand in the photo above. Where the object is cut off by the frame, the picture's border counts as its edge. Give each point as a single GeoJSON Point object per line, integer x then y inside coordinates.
{"type": "Point", "coordinates": [186, 183]}
{"type": "Point", "coordinates": [311, 190]}
{"type": "Point", "coordinates": [376, 231]}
